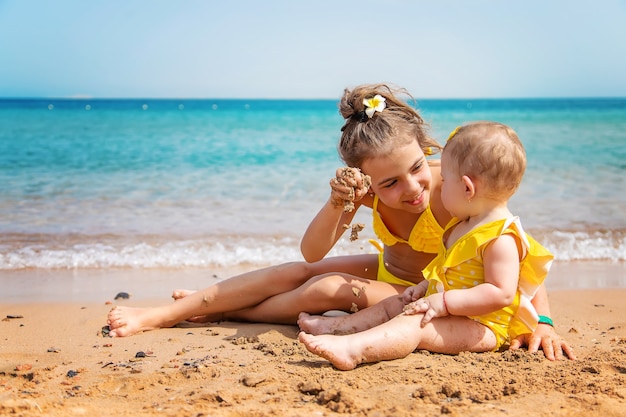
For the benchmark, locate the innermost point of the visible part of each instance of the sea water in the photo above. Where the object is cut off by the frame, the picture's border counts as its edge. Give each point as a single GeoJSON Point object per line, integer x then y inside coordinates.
{"type": "Point", "coordinates": [210, 183]}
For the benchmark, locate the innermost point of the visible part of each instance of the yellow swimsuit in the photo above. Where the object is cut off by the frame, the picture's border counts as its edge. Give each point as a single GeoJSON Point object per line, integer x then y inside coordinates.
{"type": "Point", "coordinates": [461, 266]}
{"type": "Point", "coordinates": [425, 237]}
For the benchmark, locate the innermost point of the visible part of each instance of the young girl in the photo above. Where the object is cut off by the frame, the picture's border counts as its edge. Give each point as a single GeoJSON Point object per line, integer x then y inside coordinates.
{"type": "Point", "coordinates": [387, 139]}
{"type": "Point", "coordinates": [484, 275]}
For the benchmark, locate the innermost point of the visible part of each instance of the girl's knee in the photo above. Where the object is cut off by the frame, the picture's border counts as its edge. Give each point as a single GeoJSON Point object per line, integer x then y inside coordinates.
{"type": "Point", "coordinates": [335, 292]}
{"type": "Point", "coordinates": [326, 283]}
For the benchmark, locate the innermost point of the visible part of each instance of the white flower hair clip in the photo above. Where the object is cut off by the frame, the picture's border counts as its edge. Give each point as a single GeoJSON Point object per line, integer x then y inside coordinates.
{"type": "Point", "coordinates": [374, 104]}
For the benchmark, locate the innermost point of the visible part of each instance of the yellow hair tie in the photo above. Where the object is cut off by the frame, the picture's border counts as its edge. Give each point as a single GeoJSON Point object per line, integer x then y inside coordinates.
{"type": "Point", "coordinates": [428, 151]}
{"type": "Point", "coordinates": [454, 132]}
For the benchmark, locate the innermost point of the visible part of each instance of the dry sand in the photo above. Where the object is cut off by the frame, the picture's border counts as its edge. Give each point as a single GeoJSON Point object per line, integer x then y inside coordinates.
{"type": "Point", "coordinates": [55, 362]}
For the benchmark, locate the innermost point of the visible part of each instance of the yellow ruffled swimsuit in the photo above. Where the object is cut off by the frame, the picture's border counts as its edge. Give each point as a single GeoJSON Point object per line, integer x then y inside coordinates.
{"type": "Point", "coordinates": [461, 266]}
{"type": "Point", "coordinates": [425, 237]}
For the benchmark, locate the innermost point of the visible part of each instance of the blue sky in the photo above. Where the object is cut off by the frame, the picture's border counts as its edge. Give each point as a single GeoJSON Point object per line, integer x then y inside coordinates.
{"type": "Point", "coordinates": [311, 49]}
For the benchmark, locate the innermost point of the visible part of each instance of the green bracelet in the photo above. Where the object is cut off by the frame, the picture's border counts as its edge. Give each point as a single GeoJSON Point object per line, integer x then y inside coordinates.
{"type": "Point", "coordinates": [546, 320]}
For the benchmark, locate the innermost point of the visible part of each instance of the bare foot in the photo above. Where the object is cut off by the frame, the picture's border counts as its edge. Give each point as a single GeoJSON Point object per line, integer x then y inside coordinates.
{"type": "Point", "coordinates": [127, 321]}
{"type": "Point", "coordinates": [335, 349]}
{"type": "Point", "coordinates": [316, 325]}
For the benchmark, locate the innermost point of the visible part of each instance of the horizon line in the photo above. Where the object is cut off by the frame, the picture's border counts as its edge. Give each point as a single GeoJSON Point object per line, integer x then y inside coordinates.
{"type": "Point", "coordinates": [84, 98]}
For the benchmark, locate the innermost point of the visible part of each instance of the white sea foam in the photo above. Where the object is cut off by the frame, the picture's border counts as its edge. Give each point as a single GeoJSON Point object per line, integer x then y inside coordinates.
{"type": "Point", "coordinates": [571, 246]}
{"type": "Point", "coordinates": [254, 251]}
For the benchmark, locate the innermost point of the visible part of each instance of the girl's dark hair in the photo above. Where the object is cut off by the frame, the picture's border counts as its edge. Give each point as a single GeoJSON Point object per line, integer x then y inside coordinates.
{"type": "Point", "coordinates": [364, 137]}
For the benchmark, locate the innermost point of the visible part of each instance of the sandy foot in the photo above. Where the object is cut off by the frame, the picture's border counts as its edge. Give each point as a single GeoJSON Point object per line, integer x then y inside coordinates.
{"type": "Point", "coordinates": [335, 349]}
{"type": "Point", "coordinates": [317, 325]}
{"type": "Point", "coordinates": [127, 321]}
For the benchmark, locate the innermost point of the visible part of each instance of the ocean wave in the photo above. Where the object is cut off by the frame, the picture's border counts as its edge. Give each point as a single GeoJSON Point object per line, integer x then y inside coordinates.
{"type": "Point", "coordinates": [586, 245]}
{"type": "Point", "coordinates": [222, 252]}
{"type": "Point", "coordinates": [100, 252]}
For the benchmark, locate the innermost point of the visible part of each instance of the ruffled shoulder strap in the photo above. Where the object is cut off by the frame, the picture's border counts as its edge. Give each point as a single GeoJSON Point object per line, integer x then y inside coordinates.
{"type": "Point", "coordinates": [469, 245]}
{"type": "Point", "coordinates": [535, 260]}
{"type": "Point", "coordinates": [534, 268]}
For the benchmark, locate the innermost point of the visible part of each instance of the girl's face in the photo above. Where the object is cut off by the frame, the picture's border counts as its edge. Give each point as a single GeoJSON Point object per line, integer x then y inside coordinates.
{"type": "Point", "coordinates": [453, 189]}
{"type": "Point", "coordinates": [401, 179]}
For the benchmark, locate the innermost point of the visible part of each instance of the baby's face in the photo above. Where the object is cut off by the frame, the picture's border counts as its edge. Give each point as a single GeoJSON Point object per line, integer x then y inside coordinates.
{"type": "Point", "coordinates": [452, 187]}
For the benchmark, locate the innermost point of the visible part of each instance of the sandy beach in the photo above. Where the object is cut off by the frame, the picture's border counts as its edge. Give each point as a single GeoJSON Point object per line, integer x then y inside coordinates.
{"type": "Point", "coordinates": [55, 361]}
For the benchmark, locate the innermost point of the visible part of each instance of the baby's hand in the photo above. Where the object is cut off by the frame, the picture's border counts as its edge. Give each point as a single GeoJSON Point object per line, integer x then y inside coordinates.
{"type": "Point", "coordinates": [432, 306]}
{"type": "Point", "coordinates": [349, 185]}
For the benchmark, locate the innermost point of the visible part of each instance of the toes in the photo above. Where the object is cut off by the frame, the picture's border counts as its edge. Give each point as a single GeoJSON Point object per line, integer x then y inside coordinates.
{"type": "Point", "coordinates": [178, 294]}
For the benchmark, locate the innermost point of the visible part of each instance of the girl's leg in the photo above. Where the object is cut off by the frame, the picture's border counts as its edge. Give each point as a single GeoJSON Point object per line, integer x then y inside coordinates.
{"type": "Point", "coordinates": [318, 295]}
{"type": "Point", "coordinates": [238, 292]}
{"type": "Point", "coordinates": [400, 336]}
{"type": "Point", "coordinates": [352, 323]}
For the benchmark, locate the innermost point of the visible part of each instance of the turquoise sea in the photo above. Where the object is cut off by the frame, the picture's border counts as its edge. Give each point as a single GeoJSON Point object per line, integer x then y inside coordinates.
{"type": "Point", "coordinates": [180, 183]}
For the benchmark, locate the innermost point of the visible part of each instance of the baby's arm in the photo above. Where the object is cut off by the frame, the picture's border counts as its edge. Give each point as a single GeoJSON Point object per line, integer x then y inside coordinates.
{"type": "Point", "coordinates": [347, 188]}
{"type": "Point", "coordinates": [501, 269]}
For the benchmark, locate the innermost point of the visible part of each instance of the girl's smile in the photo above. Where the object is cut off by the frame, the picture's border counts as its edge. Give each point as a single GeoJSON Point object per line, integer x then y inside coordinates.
{"type": "Point", "coordinates": [419, 199]}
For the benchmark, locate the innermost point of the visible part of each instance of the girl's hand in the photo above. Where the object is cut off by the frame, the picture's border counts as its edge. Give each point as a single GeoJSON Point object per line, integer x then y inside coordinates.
{"type": "Point", "coordinates": [432, 306]}
{"type": "Point", "coordinates": [553, 346]}
{"type": "Point", "coordinates": [349, 185]}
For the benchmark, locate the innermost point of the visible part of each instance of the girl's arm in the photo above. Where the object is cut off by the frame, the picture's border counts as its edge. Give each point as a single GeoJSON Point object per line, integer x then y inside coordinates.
{"type": "Point", "coordinates": [347, 189]}
{"type": "Point", "coordinates": [324, 231]}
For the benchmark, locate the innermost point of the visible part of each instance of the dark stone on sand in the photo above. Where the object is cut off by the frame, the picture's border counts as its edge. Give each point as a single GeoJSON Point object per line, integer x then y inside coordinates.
{"type": "Point", "coordinates": [122, 295]}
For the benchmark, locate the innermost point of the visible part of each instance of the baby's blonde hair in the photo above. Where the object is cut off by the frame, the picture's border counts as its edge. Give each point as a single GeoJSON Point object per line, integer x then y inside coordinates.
{"type": "Point", "coordinates": [368, 137]}
{"type": "Point", "coordinates": [490, 152]}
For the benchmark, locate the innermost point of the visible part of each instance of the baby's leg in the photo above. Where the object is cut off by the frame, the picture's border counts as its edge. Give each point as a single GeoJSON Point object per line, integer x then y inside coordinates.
{"type": "Point", "coordinates": [353, 323]}
{"type": "Point", "coordinates": [393, 339]}
{"type": "Point", "coordinates": [400, 336]}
